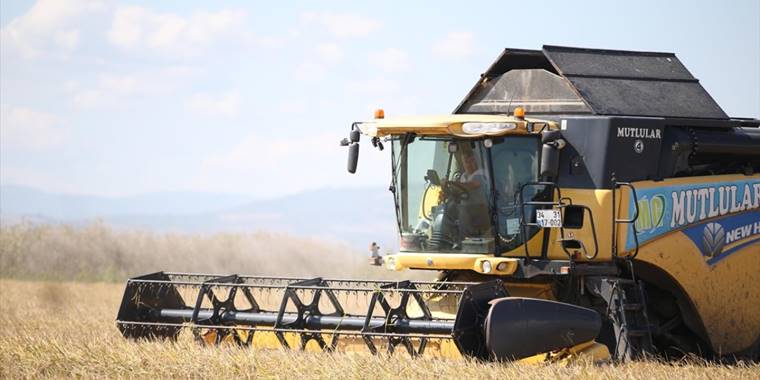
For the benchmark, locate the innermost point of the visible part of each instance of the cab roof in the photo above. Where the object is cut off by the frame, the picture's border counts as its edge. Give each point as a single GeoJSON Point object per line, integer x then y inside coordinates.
{"type": "Point", "coordinates": [447, 125]}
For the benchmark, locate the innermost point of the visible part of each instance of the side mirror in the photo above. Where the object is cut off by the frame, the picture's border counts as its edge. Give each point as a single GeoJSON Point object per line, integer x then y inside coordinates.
{"type": "Point", "coordinates": [552, 144]}
{"type": "Point", "coordinates": [354, 135]}
{"type": "Point", "coordinates": [352, 142]}
{"type": "Point", "coordinates": [573, 218]}
{"type": "Point", "coordinates": [432, 177]}
{"type": "Point", "coordinates": [549, 161]}
{"type": "Point", "coordinates": [353, 157]}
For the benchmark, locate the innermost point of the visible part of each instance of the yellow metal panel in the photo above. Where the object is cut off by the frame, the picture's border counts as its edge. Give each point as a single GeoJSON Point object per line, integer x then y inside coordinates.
{"type": "Point", "coordinates": [530, 290]}
{"type": "Point", "coordinates": [600, 203]}
{"type": "Point", "coordinates": [451, 261]}
{"type": "Point", "coordinates": [726, 295]}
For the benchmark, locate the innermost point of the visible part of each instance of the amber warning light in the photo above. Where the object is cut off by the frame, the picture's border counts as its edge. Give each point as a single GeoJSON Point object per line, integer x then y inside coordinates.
{"type": "Point", "coordinates": [379, 113]}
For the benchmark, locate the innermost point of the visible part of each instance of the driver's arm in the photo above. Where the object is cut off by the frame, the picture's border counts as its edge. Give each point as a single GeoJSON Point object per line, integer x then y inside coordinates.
{"type": "Point", "coordinates": [472, 184]}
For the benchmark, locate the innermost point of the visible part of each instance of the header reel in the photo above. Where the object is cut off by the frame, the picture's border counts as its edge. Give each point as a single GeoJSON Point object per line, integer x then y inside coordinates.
{"type": "Point", "coordinates": [334, 314]}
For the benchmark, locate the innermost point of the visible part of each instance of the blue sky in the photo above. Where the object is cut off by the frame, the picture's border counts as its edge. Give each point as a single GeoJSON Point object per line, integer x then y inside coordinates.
{"type": "Point", "coordinates": [120, 98]}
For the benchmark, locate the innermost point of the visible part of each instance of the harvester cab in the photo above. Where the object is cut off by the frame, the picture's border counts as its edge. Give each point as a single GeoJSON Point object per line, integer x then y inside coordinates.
{"type": "Point", "coordinates": [577, 203]}
{"type": "Point", "coordinates": [458, 181]}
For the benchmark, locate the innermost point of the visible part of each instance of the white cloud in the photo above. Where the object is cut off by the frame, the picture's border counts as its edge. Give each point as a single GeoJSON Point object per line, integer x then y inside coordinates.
{"type": "Point", "coordinates": [225, 104]}
{"type": "Point", "coordinates": [112, 89]}
{"type": "Point", "coordinates": [390, 59]}
{"type": "Point", "coordinates": [317, 61]}
{"type": "Point", "coordinates": [329, 52]}
{"type": "Point", "coordinates": [89, 99]}
{"type": "Point", "coordinates": [138, 28]}
{"type": "Point", "coordinates": [49, 26]}
{"type": "Point", "coordinates": [28, 129]}
{"type": "Point", "coordinates": [342, 24]}
{"type": "Point", "coordinates": [455, 45]}
{"type": "Point", "coordinates": [67, 39]}
{"type": "Point", "coordinates": [310, 72]}
{"type": "Point", "coordinates": [126, 29]}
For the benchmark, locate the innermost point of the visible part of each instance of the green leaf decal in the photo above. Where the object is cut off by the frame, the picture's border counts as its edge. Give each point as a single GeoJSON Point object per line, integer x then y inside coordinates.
{"type": "Point", "coordinates": [658, 209]}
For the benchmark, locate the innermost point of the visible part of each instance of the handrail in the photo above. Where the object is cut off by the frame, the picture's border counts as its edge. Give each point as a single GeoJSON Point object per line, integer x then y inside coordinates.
{"type": "Point", "coordinates": [523, 223]}
{"type": "Point", "coordinates": [631, 221]}
{"type": "Point", "coordinates": [583, 246]}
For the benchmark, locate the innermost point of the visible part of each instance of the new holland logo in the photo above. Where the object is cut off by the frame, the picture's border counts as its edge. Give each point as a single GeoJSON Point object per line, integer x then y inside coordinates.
{"type": "Point", "coordinates": [713, 240]}
{"type": "Point", "coordinates": [638, 146]}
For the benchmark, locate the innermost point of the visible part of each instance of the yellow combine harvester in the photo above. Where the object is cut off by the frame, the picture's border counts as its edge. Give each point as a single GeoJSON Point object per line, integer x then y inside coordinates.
{"type": "Point", "coordinates": [577, 203]}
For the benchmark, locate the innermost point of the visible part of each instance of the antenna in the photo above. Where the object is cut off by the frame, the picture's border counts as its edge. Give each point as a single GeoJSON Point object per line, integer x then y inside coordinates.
{"type": "Point", "coordinates": [509, 104]}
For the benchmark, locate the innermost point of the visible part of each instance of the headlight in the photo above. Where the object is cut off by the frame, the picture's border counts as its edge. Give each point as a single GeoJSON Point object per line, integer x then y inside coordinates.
{"type": "Point", "coordinates": [390, 263]}
{"type": "Point", "coordinates": [487, 128]}
{"type": "Point", "coordinates": [486, 266]}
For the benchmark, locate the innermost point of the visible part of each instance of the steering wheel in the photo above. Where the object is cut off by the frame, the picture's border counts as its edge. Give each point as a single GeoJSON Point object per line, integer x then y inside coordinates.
{"type": "Point", "coordinates": [457, 190]}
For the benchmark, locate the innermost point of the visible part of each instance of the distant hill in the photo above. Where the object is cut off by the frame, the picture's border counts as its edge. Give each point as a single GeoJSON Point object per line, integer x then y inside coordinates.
{"type": "Point", "coordinates": [356, 216]}
{"type": "Point", "coordinates": [15, 200]}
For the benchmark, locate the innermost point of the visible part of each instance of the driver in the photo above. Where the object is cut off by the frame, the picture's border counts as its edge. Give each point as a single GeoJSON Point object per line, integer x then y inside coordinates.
{"type": "Point", "coordinates": [474, 220]}
{"type": "Point", "coordinates": [473, 177]}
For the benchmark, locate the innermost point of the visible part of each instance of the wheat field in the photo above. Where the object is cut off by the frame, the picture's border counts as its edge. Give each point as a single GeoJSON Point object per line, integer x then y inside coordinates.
{"type": "Point", "coordinates": [57, 312]}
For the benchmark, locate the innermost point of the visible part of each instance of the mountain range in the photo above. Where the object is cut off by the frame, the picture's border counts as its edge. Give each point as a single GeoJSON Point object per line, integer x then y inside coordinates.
{"type": "Point", "coordinates": [356, 216]}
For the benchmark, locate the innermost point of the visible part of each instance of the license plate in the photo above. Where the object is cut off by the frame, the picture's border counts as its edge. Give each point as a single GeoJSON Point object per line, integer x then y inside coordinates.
{"type": "Point", "coordinates": [549, 218]}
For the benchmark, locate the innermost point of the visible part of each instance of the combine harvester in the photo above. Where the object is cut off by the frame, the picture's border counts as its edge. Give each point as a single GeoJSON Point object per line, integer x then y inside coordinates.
{"type": "Point", "coordinates": [578, 203]}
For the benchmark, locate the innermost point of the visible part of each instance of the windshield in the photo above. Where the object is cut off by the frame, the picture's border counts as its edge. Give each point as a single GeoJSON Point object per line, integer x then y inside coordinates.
{"type": "Point", "coordinates": [456, 195]}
